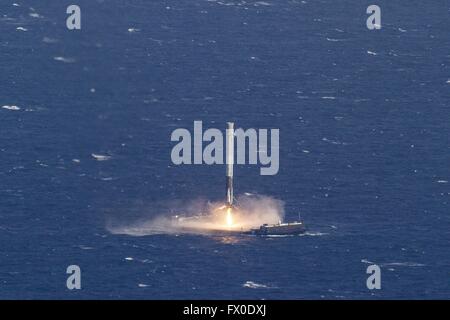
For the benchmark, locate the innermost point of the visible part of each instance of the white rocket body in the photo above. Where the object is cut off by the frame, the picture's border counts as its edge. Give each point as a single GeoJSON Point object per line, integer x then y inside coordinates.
{"type": "Point", "coordinates": [229, 162]}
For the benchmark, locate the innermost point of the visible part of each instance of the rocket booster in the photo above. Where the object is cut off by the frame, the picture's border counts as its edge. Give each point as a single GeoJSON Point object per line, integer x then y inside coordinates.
{"type": "Point", "coordinates": [229, 162]}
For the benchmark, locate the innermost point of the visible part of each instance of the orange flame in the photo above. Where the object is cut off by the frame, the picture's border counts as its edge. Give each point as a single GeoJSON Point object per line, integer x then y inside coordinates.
{"type": "Point", "coordinates": [229, 217]}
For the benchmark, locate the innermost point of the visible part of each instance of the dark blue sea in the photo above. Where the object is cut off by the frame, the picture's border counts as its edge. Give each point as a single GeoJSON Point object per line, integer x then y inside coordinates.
{"type": "Point", "coordinates": [86, 118]}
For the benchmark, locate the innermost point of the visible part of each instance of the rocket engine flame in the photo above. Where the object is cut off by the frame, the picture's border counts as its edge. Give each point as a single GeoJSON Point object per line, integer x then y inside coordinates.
{"type": "Point", "coordinates": [229, 217]}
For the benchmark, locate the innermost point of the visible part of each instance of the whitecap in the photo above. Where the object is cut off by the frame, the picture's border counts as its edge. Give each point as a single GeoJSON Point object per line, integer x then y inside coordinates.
{"type": "Point", "coordinates": [372, 53]}
{"type": "Point", "coordinates": [403, 264]}
{"type": "Point", "coordinates": [100, 157]}
{"type": "Point", "coordinates": [261, 3]}
{"type": "Point", "coordinates": [49, 40]}
{"type": "Point", "coordinates": [107, 179]}
{"type": "Point", "coordinates": [331, 141]}
{"type": "Point", "coordinates": [21, 29]}
{"type": "Point", "coordinates": [35, 15]}
{"type": "Point", "coordinates": [314, 234]}
{"type": "Point", "coordinates": [391, 264]}
{"type": "Point", "coordinates": [155, 40]}
{"type": "Point", "coordinates": [366, 261]}
{"type": "Point", "coordinates": [442, 181]}
{"type": "Point", "coordinates": [335, 40]}
{"type": "Point", "coordinates": [12, 108]}
{"type": "Point", "coordinates": [82, 247]}
{"type": "Point", "coordinates": [254, 285]}
{"type": "Point", "coordinates": [65, 60]}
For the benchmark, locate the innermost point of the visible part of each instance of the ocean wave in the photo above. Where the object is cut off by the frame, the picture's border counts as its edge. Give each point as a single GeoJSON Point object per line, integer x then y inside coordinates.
{"type": "Point", "coordinates": [398, 264]}
{"type": "Point", "coordinates": [334, 141]}
{"type": "Point", "coordinates": [65, 60]}
{"type": "Point", "coordinates": [49, 40]}
{"type": "Point", "coordinates": [83, 247]}
{"type": "Point", "coordinates": [100, 157]}
{"type": "Point", "coordinates": [402, 264]}
{"type": "Point", "coordinates": [255, 285]}
{"type": "Point", "coordinates": [12, 108]}
{"type": "Point", "coordinates": [336, 40]}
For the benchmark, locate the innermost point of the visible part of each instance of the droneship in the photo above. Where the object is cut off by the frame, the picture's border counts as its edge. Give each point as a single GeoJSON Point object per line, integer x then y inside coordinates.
{"type": "Point", "coordinates": [279, 229]}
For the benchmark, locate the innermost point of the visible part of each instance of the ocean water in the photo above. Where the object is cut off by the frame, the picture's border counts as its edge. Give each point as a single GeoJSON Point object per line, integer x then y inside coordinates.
{"type": "Point", "coordinates": [85, 124]}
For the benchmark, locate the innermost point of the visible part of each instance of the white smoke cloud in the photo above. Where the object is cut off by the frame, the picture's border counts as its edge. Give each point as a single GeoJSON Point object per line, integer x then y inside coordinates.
{"type": "Point", "coordinates": [203, 217]}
